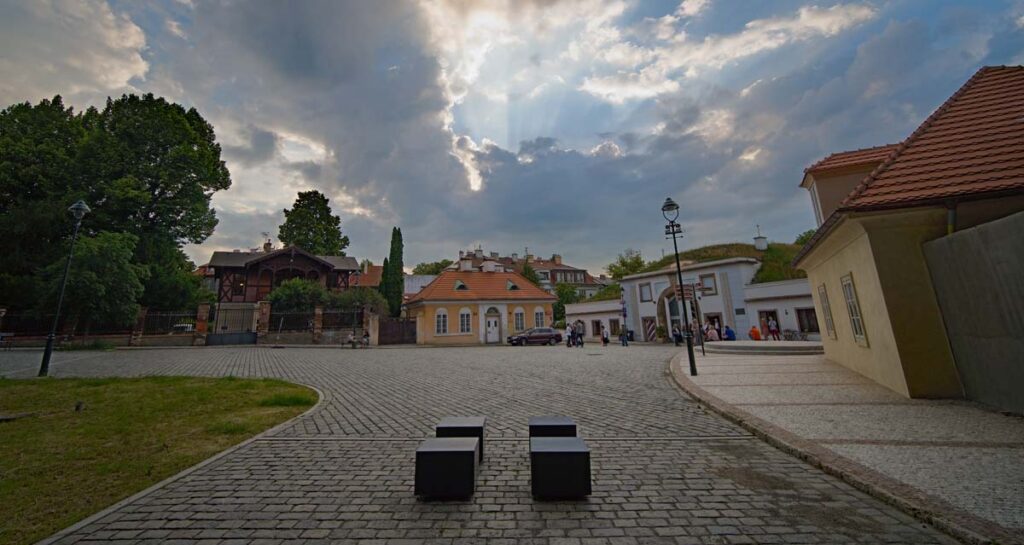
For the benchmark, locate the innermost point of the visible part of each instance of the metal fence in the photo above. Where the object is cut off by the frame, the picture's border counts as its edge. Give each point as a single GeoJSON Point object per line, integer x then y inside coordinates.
{"type": "Point", "coordinates": [169, 323]}
{"type": "Point", "coordinates": [38, 325]}
{"type": "Point", "coordinates": [290, 321]}
{"type": "Point", "coordinates": [342, 319]}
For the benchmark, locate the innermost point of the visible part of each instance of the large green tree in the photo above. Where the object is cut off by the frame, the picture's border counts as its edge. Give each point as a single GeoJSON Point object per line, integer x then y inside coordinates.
{"type": "Point", "coordinates": [434, 267]}
{"type": "Point", "coordinates": [530, 274]}
{"type": "Point", "coordinates": [103, 283]}
{"type": "Point", "coordinates": [627, 263]}
{"type": "Point", "coordinates": [393, 280]}
{"type": "Point", "coordinates": [567, 295]}
{"type": "Point", "coordinates": [311, 225]}
{"type": "Point", "coordinates": [146, 167]}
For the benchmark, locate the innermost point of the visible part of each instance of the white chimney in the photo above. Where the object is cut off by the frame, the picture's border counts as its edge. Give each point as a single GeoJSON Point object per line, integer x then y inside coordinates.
{"type": "Point", "coordinates": [489, 266]}
{"type": "Point", "coordinates": [479, 252]}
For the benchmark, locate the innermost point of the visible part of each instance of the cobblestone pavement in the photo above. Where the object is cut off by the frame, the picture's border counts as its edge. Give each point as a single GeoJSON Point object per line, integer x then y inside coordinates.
{"type": "Point", "coordinates": [664, 470]}
{"type": "Point", "coordinates": [960, 458]}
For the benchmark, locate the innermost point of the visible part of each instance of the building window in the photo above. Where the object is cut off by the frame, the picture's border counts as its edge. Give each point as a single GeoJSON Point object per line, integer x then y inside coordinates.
{"type": "Point", "coordinates": [807, 319]}
{"type": "Point", "coordinates": [460, 285]}
{"type": "Point", "coordinates": [441, 322]}
{"type": "Point", "coordinates": [826, 309]}
{"type": "Point", "coordinates": [465, 321]}
{"type": "Point", "coordinates": [613, 326]}
{"type": "Point", "coordinates": [520, 319]}
{"type": "Point", "coordinates": [538, 317]}
{"type": "Point", "coordinates": [645, 292]}
{"type": "Point", "coordinates": [708, 284]}
{"type": "Point", "coordinates": [238, 285]}
{"type": "Point", "coordinates": [853, 308]}
{"type": "Point", "coordinates": [510, 285]}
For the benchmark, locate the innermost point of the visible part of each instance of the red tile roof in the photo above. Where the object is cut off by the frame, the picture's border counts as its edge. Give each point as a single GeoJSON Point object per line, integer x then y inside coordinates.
{"type": "Point", "coordinates": [972, 145]}
{"type": "Point", "coordinates": [858, 157]}
{"type": "Point", "coordinates": [371, 277]}
{"type": "Point", "coordinates": [480, 286]}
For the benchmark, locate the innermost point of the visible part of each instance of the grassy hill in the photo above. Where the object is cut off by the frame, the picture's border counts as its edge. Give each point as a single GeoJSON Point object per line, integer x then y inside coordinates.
{"type": "Point", "coordinates": [775, 261]}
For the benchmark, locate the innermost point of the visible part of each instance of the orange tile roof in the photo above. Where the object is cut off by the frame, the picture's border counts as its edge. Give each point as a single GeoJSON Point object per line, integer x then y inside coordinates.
{"type": "Point", "coordinates": [481, 286]}
{"type": "Point", "coordinates": [371, 277]}
{"type": "Point", "coordinates": [858, 157]}
{"type": "Point", "coordinates": [972, 145]}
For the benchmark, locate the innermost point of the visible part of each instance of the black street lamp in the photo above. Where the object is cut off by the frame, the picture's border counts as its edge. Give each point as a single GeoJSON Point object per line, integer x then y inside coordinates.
{"type": "Point", "coordinates": [671, 212]}
{"type": "Point", "coordinates": [79, 210]}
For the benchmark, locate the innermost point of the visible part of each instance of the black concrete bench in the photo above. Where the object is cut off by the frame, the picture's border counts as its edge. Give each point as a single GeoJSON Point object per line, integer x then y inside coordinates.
{"type": "Point", "coordinates": [559, 467]}
{"type": "Point", "coordinates": [552, 426]}
{"type": "Point", "coordinates": [446, 467]}
{"type": "Point", "coordinates": [463, 426]}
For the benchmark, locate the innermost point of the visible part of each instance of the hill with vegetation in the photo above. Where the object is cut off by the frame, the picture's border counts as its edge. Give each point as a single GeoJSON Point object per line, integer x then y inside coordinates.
{"type": "Point", "coordinates": [775, 261]}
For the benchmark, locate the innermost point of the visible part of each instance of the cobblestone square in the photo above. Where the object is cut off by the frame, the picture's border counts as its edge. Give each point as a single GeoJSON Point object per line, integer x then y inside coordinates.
{"type": "Point", "coordinates": [665, 471]}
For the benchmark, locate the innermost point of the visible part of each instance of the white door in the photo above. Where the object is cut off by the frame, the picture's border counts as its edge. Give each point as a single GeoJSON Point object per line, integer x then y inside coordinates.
{"type": "Point", "coordinates": [492, 330]}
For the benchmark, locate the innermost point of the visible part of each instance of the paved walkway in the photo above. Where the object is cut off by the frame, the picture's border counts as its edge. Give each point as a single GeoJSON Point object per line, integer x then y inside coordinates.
{"type": "Point", "coordinates": [665, 471]}
{"type": "Point", "coordinates": [955, 456]}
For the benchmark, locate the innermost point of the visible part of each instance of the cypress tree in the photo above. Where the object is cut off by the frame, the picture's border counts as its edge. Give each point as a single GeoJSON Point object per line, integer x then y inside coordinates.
{"type": "Point", "coordinates": [395, 272]}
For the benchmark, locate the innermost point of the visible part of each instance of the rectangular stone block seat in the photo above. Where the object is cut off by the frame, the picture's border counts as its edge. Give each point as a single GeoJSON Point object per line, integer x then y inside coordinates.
{"type": "Point", "coordinates": [552, 426]}
{"type": "Point", "coordinates": [446, 467]}
{"type": "Point", "coordinates": [559, 467]}
{"type": "Point", "coordinates": [463, 426]}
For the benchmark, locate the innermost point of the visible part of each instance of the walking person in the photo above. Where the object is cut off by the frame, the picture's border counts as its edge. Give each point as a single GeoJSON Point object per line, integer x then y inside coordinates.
{"type": "Point", "coordinates": [568, 335]}
{"type": "Point", "coordinates": [579, 334]}
{"type": "Point", "coordinates": [624, 337]}
{"type": "Point", "coordinates": [773, 328]}
{"type": "Point", "coordinates": [604, 336]}
{"type": "Point", "coordinates": [676, 335]}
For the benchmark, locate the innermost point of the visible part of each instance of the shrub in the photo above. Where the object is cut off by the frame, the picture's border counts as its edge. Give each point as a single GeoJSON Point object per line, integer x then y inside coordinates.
{"type": "Point", "coordinates": [297, 294]}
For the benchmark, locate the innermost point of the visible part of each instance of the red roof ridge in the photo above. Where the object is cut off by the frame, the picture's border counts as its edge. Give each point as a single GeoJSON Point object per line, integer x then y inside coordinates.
{"type": "Point", "coordinates": [863, 185]}
{"type": "Point", "coordinates": [818, 164]}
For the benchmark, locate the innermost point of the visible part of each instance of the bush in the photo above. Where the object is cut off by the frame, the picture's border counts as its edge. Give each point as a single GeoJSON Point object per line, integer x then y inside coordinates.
{"type": "Point", "coordinates": [297, 294]}
{"type": "Point", "coordinates": [356, 298]}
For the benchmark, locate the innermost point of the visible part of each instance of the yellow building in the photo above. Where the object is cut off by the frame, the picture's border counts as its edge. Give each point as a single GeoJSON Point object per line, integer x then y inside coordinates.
{"type": "Point", "coordinates": [872, 282]}
{"type": "Point", "coordinates": [478, 305]}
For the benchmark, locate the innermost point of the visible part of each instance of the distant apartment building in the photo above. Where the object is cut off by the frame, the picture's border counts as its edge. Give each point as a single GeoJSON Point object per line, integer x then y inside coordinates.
{"type": "Point", "coordinates": [550, 271]}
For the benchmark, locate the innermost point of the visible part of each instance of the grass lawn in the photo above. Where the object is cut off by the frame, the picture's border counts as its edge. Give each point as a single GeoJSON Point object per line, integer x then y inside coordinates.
{"type": "Point", "coordinates": [60, 465]}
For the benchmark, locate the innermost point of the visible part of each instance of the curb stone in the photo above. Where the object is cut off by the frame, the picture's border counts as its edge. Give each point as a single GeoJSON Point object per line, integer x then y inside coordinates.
{"type": "Point", "coordinates": [181, 474]}
{"type": "Point", "coordinates": [955, 522]}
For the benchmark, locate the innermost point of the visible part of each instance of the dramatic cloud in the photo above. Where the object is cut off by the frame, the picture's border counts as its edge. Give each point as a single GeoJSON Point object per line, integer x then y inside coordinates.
{"type": "Point", "coordinates": [557, 125]}
{"type": "Point", "coordinates": [77, 48]}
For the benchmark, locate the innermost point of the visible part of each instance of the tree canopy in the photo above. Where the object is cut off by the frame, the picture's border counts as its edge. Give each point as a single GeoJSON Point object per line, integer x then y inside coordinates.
{"type": "Point", "coordinates": [530, 274]}
{"type": "Point", "coordinates": [145, 166]}
{"type": "Point", "coordinates": [434, 267]}
{"type": "Point", "coordinates": [627, 263]}
{"type": "Point", "coordinates": [805, 237]}
{"type": "Point", "coordinates": [310, 225]}
{"type": "Point", "coordinates": [103, 283]}
{"type": "Point", "coordinates": [567, 295]}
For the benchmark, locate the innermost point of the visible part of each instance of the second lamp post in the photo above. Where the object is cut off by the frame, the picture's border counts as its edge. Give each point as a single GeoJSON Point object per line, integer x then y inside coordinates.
{"type": "Point", "coordinates": [671, 212]}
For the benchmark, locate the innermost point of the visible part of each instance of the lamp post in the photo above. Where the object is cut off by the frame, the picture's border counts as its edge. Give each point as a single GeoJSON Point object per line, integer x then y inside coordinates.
{"type": "Point", "coordinates": [78, 210]}
{"type": "Point", "coordinates": [671, 212]}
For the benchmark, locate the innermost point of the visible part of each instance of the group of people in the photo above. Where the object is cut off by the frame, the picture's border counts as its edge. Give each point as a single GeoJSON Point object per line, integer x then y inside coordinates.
{"type": "Point", "coordinates": [714, 331]}
{"type": "Point", "coordinates": [575, 332]}
{"type": "Point", "coordinates": [362, 342]}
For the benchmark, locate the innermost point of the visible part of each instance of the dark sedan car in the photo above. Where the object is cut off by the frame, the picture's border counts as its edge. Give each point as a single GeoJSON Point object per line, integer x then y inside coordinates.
{"type": "Point", "coordinates": [537, 335]}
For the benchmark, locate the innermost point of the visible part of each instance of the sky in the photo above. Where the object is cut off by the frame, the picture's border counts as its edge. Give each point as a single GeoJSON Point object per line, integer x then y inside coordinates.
{"type": "Point", "coordinates": [557, 126]}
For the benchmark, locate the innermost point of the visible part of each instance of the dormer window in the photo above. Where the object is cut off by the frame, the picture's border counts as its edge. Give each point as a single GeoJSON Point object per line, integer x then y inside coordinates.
{"type": "Point", "coordinates": [460, 285]}
{"type": "Point", "coordinates": [510, 285]}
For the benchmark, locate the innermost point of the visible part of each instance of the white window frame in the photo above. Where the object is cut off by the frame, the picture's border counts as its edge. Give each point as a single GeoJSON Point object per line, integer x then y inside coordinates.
{"type": "Point", "coordinates": [441, 321]}
{"type": "Point", "coordinates": [650, 292]}
{"type": "Point", "coordinates": [538, 317]}
{"type": "Point", "coordinates": [465, 320]}
{"type": "Point", "coordinates": [704, 289]}
{"type": "Point", "coordinates": [860, 333]}
{"type": "Point", "coordinates": [826, 311]}
{"type": "Point", "coordinates": [519, 319]}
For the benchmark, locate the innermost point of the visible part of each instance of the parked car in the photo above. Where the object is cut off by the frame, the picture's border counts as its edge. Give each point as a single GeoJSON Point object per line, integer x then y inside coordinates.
{"type": "Point", "coordinates": [537, 335]}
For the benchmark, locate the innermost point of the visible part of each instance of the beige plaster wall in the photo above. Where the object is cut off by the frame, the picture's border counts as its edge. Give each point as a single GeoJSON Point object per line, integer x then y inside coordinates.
{"type": "Point", "coordinates": [848, 251]}
{"type": "Point", "coordinates": [914, 314]}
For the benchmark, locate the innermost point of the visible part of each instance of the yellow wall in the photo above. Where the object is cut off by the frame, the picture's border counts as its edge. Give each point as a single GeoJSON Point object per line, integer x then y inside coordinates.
{"type": "Point", "coordinates": [914, 312]}
{"type": "Point", "coordinates": [426, 327]}
{"type": "Point", "coordinates": [847, 250]}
